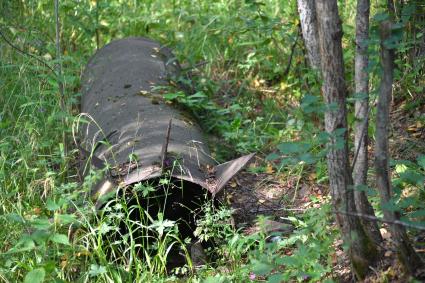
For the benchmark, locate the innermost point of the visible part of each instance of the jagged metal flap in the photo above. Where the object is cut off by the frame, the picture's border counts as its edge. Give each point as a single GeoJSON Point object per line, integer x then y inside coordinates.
{"type": "Point", "coordinates": [221, 174]}
{"type": "Point", "coordinates": [226, 171]}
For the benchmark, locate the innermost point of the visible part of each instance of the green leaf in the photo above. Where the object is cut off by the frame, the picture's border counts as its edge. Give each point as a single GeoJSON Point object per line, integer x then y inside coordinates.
{"type": "Point", "coordinates": [161, 225]}
{"type": "Point", "coordinates": [15, 218]}
{"type": "Point", "coordinates": [400, 168]}
{"type": "Point", "coordinates": [287, 161]}
{"type": "Point", "coordinates": [421, 161]}
{"type": "Point", "coordinates": [25, 243]}
{"type": "Point", "coordinates": [308, 100]}
{"type": "Point", "coordinates": [289, 261]}
{"type": "Point", "coordinates": [275, 278]}
{"type": "Point", "coordinates": [412, 177]}
{"type": "Point", "coordinates": [216, 279]}
{"type": "Point", "coordinates": [146, 189]}
{"type": "Point", "coordinates": [41, 223]}
{"type": "Point", "coordinates": [339, 132]}
{"type": "Point", "coordinates": [418, 213]}
{"type": "Point", "coordinates": [261, 268]}
{"type": "Point", "coordinates": [199, 94]}
{"type": "Point", "coordinates": [65, 219]}
{"type": "Point", "coordinates": [96, 270]}
{"type": "Point", "coordinates": [380, 17]}
{"type": "Point", "coordinates": [60, 239]}
{"type": "Point", "coordinates": [172, 96]}
{"type": "Point", "coordinates": [52, 205]}
{"type": "Point", "coordinates": [35, 276]}
{"type": "Point", "coordinates": [311, 103]}
{"type": "Point", "coordinates": [50, 266]}
{"type": "Point", "coordinates": [272, 156]}
{"type": "Point", "coordinates": [293, 147]}
{"type": "Point", "coordinates": [105, 228]}
{"type": "Point", "coordinates": [307, 158]}
{"type": "Point", "coordinates": [40, 236]}
{"type": "Point", "coordinates": [390, 206]}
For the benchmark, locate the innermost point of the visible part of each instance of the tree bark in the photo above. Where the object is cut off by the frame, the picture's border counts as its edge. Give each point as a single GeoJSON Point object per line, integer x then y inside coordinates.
{"type": "Point", "coordinates": [407, 255]}
{"type": "Point", "coordinates": [308, 20]}
{"type": "Point", "coordinates": [361, 141]}
{"type": "Point", "coordinates": [361, 249]}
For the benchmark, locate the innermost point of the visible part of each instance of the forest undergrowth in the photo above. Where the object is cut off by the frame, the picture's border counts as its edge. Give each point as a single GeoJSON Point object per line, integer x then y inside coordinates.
{"type": "Point", "coordinates": [248, 83]}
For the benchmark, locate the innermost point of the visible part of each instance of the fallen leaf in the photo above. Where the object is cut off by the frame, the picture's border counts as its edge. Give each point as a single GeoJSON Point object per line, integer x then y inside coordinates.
{"type": "Point", "coordinates": [385, 234]}
{"type": "Point", "coordinates": [269, 169]}
{"type": "Point", "coordinates": [83, 253]}
{"type": "Point", "coordinates": [64, 262]}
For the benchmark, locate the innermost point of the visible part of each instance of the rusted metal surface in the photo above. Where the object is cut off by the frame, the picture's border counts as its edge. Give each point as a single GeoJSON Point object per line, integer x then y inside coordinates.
{"type": "Point", "coordinates": [120, 94]}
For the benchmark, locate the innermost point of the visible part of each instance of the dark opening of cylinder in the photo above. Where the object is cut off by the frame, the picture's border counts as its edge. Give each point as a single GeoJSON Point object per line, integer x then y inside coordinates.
{"type": "Point", "coordinates": [162, 211]}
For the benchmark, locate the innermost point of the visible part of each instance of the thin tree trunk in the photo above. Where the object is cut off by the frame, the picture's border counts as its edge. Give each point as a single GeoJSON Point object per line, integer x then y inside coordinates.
{"type": "Point", "coordinates": [308, 20]}
{"type": "Point", "coordinates": [361, 249]}
{"type": "Point", "coordinates": [407, 255]}
{"type": "Point", "coordinates": [97, 32]}
{"type": "Point", "coordinates": [361, 112]}
{"type": "Point", "coordinates": [59, 75]}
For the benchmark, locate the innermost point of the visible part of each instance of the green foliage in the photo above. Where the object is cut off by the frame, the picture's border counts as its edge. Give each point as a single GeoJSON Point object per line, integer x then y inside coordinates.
{"type": "Point", "coordinates": [310, 245]}
{"type": "Point", "coordinates": [35, 276]}
{"type": "Point", "coordinates": [215, 224]}
{"type": "Point", "coordinates": [409, 190]}
{"type": "Point", "coordinates": [302, 256]}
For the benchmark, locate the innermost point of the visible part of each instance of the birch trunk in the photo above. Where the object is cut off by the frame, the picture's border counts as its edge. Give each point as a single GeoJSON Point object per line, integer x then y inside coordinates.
{"type": "Point", "coordinates": [361, 113]}
{"type": "Point", "coordinates": [407, 255]}
{"type": "Point", "coordinates": [361, 249]}
{"type": "Point", "coordinates": [308, 20]}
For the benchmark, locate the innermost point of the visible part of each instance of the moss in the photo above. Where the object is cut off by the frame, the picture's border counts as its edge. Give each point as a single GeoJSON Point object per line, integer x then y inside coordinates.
{"type": "Point", "coordinates": [155, 100]}
{"type": "Point", "coordinates": [360, 267]}
{"type": "Point", "coordinates": [365, 256]}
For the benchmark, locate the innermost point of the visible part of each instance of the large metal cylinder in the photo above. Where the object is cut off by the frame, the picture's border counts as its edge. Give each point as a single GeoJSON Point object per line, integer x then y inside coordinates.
{"type": "Point", "coordinates": [133, 130]}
